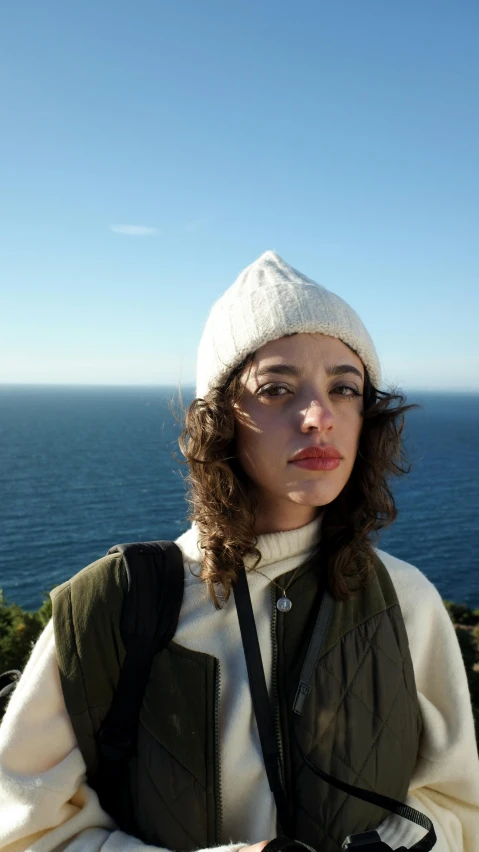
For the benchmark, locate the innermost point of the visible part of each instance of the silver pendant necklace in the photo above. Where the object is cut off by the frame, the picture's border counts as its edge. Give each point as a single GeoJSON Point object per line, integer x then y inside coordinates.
{"type": "Point", "coordinates": [283, 604]}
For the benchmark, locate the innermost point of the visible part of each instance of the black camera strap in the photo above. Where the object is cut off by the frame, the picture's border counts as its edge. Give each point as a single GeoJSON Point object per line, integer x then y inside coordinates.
{"type": "Point", "coordinates": [259, 696]}
{"type": "Point", "coordinates": [265, 721]}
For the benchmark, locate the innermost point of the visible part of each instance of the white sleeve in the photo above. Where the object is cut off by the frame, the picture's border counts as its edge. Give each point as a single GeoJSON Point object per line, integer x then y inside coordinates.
{"type": "Point", "coordinates": [45, 803]}
{"type": "Point", "coordinates": [445, 783]}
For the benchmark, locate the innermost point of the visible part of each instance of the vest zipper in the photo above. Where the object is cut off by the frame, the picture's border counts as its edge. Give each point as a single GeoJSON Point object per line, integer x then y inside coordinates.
{"type": "Point", "coordinates": [274, 683]}
{"type": "Point", "coordinates": [218, 797]}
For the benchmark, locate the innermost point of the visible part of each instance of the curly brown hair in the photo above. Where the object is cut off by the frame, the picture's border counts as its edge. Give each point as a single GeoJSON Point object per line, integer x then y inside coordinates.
{"type": "Point", "coordinates": [223, 504]}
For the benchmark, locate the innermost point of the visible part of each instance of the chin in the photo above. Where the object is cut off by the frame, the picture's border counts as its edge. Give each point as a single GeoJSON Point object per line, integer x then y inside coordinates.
{"type": "Point", "coordinates": [320, 494]}
{"type": "Point", "coordinates": [318, 500]}
{"type": "Point", "coordinates": [326, 491]}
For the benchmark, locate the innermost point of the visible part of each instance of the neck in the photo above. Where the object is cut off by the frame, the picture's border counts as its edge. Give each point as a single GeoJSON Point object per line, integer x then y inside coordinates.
{"type": "Point", "coordinates": [287, 516]}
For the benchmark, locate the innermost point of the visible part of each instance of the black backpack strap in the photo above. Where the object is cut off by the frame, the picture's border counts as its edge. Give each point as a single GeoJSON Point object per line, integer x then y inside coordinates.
{"type": "Point", "coordinates": [149, 619]}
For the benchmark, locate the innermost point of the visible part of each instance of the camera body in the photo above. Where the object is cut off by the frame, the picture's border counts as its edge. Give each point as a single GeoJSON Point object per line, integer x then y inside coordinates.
{"type": "Point", "coordinates": [367, 841]}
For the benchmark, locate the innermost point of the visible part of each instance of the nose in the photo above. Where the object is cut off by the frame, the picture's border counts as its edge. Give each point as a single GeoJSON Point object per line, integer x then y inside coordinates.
{"type": "Point", "coordinates": [316, 416]}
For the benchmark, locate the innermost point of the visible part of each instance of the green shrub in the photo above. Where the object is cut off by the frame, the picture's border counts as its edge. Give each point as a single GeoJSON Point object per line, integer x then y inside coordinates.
{"type": "Point", "coordinates": [19, 631]}
{"type": "Point", "coordinates": [462, 614]}
{"type": "Point", "coordinates": [466, 622]}
{"type": "Point", "coordinates": [468, 646]}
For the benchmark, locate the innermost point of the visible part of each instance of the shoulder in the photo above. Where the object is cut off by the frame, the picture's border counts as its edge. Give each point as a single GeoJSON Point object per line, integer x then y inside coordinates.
{"type": "Point", "coordinates": [408, 580]}
{"type": "Point", "coordinates": [420, 602]}
{"type": "Point", "coordinates": [91, 599]}
{"type": "Point", "coordinates": [86, 614]}
{"type": "Point", "coordinates": [425, 616]}
{"type": "Point", "coordinates": [95, 579]}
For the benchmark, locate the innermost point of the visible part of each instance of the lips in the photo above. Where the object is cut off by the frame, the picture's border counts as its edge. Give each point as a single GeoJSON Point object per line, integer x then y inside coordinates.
{"type": "Point", "coordinates": [325, 452]}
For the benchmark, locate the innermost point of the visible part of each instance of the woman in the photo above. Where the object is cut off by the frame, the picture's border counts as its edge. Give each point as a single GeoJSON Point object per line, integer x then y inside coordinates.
{"type": "Point", "coordinates": [289, 444]}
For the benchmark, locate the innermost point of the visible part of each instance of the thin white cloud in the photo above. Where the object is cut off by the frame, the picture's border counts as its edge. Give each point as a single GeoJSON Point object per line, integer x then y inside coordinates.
{"type": "Point", "coordinates": [135, 230]}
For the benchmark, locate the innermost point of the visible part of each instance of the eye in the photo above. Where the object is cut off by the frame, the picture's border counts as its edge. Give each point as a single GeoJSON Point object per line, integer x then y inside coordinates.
{"type": "Point", "coordinates": [273, 390]}
{"type": "Point", "coordinates": [346, 391]}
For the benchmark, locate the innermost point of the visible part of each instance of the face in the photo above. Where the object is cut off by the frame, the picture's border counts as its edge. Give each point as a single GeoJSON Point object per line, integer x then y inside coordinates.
{"type": "Point", "coordinates": [301, 393]}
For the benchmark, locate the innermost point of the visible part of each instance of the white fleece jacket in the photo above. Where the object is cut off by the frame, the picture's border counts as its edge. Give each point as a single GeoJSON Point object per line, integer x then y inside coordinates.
{"type": "Point", "coordinates": [47, 806]}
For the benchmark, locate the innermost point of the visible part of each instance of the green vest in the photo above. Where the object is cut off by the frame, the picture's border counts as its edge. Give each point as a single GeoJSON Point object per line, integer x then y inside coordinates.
{"type": "Point", "coordinates": [361, 722]}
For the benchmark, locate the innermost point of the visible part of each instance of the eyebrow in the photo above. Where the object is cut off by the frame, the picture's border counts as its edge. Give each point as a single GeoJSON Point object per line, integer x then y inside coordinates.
{"type": "Point", "coordinates": [290, 370]}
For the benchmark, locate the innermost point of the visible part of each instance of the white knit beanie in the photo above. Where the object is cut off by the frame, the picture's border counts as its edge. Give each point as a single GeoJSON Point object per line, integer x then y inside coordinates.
{"type": "Point", "coordinates": [268, 300]}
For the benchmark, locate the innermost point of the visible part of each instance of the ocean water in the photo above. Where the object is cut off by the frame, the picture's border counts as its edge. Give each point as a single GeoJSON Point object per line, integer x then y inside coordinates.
{"type": "Point", "coordinates": [84, 468]}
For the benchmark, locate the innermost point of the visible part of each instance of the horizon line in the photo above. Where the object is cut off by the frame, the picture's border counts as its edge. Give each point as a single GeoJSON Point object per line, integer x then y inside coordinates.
{"type": "Point", "coordinates": [175, 386]}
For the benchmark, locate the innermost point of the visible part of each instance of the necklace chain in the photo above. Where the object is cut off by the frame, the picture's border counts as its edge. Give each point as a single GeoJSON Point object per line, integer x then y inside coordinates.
{"type": "Point", "coordinates": [281, 588]}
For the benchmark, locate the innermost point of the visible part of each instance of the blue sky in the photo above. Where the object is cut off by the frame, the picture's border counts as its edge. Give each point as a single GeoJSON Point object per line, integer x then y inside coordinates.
{"type": "Point", "coordinates": [151, 150]}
